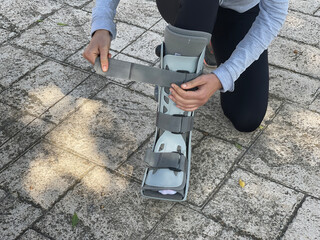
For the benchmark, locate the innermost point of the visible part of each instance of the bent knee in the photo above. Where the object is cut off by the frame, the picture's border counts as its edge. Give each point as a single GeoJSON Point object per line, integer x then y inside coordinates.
{"type": "Point", "coordinates": [247, 123]}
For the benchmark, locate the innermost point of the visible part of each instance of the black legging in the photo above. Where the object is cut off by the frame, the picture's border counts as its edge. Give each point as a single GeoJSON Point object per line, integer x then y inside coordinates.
{"type": "Point", "coordinates": [246, 106]}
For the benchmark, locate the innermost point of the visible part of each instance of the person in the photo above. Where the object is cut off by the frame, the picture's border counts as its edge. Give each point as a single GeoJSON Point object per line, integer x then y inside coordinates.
{"type": "Point", "coordinates": [241, 33]}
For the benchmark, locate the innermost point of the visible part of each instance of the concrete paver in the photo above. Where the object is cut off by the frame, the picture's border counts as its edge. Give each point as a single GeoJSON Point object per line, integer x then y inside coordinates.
{"type": "Point", "coordinates": [72, 143]}
{"type": "Point", "coordinates": [107, 206]}
{"type": "Point", "coordinates": [59, 35]}
{"type": "Point", "coordinates": [15, 63]}
{"type": "Point", "coordinates": [260, 208]}
{"type": "Point", "coordinates": [307, 222]}
{"type": "Point", "coordinates": [105, 135]}
{"type": "Point", "coordinates": [289, 150]}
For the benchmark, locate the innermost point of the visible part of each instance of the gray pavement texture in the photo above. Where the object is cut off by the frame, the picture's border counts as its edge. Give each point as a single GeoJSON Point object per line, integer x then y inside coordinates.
{"type": "Point", "coordinates": [72, 142]}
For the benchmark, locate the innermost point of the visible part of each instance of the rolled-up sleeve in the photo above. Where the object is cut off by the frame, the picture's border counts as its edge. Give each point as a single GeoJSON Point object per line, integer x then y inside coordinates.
{"type": "Point", "coordinates": [264, 29]}
{"type": "Point", "coordinates": [103, 16]}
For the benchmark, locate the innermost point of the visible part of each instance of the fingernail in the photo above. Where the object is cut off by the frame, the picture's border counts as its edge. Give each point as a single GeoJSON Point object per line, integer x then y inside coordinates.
{"type": "Point", "coordinates": [171, 90]}
{"type": "Point", "coordinates": [104, 67]}
{"type": "Point", "coordinates": [184, 85]}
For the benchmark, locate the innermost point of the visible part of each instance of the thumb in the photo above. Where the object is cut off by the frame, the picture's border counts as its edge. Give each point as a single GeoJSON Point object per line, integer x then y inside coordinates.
{"type": "Point", "coordinates": [192, 84]}
{"type": "Point", "coordinates": [104, 60]}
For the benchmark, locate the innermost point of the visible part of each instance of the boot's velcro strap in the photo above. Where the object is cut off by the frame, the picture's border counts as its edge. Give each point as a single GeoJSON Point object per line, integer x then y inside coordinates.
{"type": "Point", "coordinates": [141, 73]}
{"type": "Point", "coordinates": [174, 123]}
{"type": "Point", "coordinates": [174, 161]}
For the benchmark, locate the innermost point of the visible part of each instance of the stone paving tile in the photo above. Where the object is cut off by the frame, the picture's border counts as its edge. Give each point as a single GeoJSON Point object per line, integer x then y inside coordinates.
{"type": "Point", "coordinates": [159, 27]}
{"type": "Point", "coordinates": [261, 208]}
{"type": "Point", "coordinates": [32, 235]}
{"type": "Point", "coordinates": [75, 99]}
{"type": "Point", "coordinates": [108, 207]}
{"type": "Point", "coordinates": [307, 26]}
{"type": "Point", "coordinates": [15, 63]}
{"type": "Point", "coordinates": [43, 174]}
{"type": "Point", "coordinates": [89, 6]}
{"type": "Point", "coordinates": [289, 150]}
{"type": "Point", "coordinates": [54, 39]}
{"type": "Point", "coordinates": [145, 88]}
{"type": "Point", "coordinates": [315, 106]}
{"type": "Point", "coordinates": [184, 223]}
{"type": "Point", "coordinates": [210, 118]}
{"type": "Point", "coordinates": [306, 6]}
{"type": "Point", "coordinates": [292, 86]}
{"type": "Point", "coordinates": [142, 13]}
{"type": "Point", "coordinates": [298, 57]}
{"type": "Point", "coordinates": [6, 24]}
{"type": "Point", "coordinates": [11, 121]}
{"type": "Point", "coordinates": [317, 13]}
{"type": "Point", "coordinates": [125, 35]}
{"type": "Point", "coordinates": [210, 163]}
{"type": "Point", "coordinates": [144, 47]}
{"type": "Point", "coordinates": [16, 145]}
{"type": "Point", "coordinates": [135, 166]}
{"type": "Point", "coordinates": [5, 34]}
{"type": "Point", "coordinates": [16, 216]}
{"type": "Point", "coordinates": [43, 87]}
{"type": "Point", "coordinates": [108, 128]}
{"type": "Point", "coordinates": [74, 3]}
{"type": "Point", "coordinates": [306, 224]}
{"type": "Point", "coordinates": [22, 13]}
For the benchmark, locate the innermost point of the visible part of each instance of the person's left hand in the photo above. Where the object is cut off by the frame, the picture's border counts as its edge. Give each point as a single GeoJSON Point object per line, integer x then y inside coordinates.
{"type": "Point", "coordinates": [207, 85]}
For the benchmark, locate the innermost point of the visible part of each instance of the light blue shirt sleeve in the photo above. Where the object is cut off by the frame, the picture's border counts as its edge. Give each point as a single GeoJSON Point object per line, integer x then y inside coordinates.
{"type": "Point", "coordinates": [264, 29]}
{"type": "Point", "coordinates": [102, 16]}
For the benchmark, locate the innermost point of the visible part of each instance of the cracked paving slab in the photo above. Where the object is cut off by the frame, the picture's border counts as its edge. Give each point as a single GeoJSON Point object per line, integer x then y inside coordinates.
{"type": "Point", "coordinates": [60, 35]}
{"type": "Point", "coordinates": [289, 150]}
{"type": "Point", "coordinates": [306, 224]}
{"type": "Point", "coordinates": [19, 143]}
{"type": "Point", "coordinates": [260, 208]}
{"type": "Point", "coordinates": [109, 127]}
{"type": "Point", "coordinates": [16, 216]}
{"type": "Point", "coordinates": [211, 119]}
{"type": "Point", "coordinates": [15, 63]}
{"type": "Point", "coordinates": [183, 223]}
{"type": "Point", "coordinates": [44, 174]}
{"type": "Point", "coordinates": [43, 87]}
{"type": "Point", "coordinates": [23, 13]}
{"type": "Point", "coordinates": [107, 206]}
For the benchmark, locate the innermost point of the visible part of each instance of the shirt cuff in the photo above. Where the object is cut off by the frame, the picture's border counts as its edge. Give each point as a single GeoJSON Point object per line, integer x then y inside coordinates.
{"type": "Point", "coordinates": [225, 78]}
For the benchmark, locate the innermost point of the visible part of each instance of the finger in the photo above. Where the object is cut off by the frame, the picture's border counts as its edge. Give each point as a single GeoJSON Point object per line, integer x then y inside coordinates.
{"type": "Point", "coordinates": [89, 55]}
{"type": "Point", "coordinates": [184, 94]}
{"type": "Point", "coordinates": [104, 59]}
{"type": "Point", "coordinates": [187, 109]}
{"type": "Point", "coordinates": [193, 83]}
{"type": "Point", "coordinates": [180, 100]}
{"type": "Point", "coordinates": [189, 105]}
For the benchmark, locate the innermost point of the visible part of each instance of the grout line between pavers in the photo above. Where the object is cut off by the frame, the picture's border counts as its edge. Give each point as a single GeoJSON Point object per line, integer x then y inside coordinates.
{"type": "Point", "coordinates": [298, 41]}
{"type": "Point", "coordinates": [158, 223]}
{"type": "Point", "coordinates": [316, 12]}
{"type": "Point", "coordinates": [308, 14]}
{"type": "Point", "coordinates": [278, 182]}
{"type": "Point", "coordinates": [46, 211]}
{"type": "Point", "coordinates": [224, 225]}
{"type": "Point", "coordinates": [291, 218]}
{"type": "Point", "coordinates": [239, 158]}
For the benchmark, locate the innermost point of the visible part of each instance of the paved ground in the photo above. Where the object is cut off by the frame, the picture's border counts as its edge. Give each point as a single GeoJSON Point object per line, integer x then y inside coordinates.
{"type": "Point", "coordinates": [72, 143]}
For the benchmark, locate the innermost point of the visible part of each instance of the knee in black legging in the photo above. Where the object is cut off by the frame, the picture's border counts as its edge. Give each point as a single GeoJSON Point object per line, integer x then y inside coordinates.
{"type": "Point", "coordinates": [246, 122]}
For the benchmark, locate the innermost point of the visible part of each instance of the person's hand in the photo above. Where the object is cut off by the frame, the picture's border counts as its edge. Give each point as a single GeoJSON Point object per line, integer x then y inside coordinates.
{"type": "Point", "coordinates": [207, 85]}
{"type": "Point", "coordinates": [99, 45]}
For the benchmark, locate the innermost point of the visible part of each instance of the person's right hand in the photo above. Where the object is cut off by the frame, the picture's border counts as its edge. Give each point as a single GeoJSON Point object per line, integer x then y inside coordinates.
{"type": "Point", "coordinates": [99, 45]}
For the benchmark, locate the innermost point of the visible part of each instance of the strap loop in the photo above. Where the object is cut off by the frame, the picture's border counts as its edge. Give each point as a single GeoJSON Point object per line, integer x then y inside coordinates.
{"type": "Point", "coordinates": [174, 161]}
{"type": "Point", "coordinates": [173, 123]}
